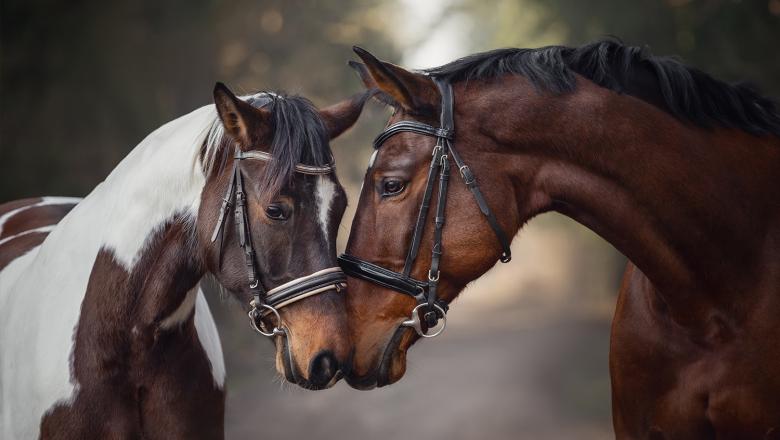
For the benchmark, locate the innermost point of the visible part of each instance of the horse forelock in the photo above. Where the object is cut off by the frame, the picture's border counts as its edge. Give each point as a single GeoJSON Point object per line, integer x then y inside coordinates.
{"type": "Point", "coordinates": [299, 136]}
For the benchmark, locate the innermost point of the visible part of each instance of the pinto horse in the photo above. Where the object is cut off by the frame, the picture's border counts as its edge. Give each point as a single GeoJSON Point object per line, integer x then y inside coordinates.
{"type": "Point", "coordinates": [676, 169]}
{"type": "Point", "coordinates": [104, 331]}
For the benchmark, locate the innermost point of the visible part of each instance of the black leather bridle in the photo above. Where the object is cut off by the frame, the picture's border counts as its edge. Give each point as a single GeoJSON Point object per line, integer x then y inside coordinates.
{"type": "Point", "coordinates": [264, 302]}
{"type": "Point", "coordinates": [425, 292]}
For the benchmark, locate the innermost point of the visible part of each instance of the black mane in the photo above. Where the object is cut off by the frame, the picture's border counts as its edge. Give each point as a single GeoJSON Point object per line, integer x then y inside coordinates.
{"type": "Point", "coordinates": [299, 136]}
{"type": "Point", "coordinates": [685, 92]}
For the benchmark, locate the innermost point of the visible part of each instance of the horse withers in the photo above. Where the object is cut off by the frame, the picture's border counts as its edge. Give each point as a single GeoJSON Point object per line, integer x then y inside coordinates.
{"type": "Point", "coordinates": [676, 169]}
{"type": "Point", "coordinates": [104, 331]}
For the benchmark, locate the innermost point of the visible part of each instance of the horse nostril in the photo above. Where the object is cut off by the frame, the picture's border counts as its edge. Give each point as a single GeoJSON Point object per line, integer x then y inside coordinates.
{"type": "Point", "coordinates": [323, 368]}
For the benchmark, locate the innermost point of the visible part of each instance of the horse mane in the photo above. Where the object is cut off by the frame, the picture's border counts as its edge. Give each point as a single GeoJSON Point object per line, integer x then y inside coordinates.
{"type": "Point", "coordinates": [299, 136]}
{"type": "Point", "coordinates": [685, 92]}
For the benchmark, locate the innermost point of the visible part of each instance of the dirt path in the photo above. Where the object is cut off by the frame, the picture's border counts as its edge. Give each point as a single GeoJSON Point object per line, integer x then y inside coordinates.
{"type": "Point", "coordinates": [548, 380]}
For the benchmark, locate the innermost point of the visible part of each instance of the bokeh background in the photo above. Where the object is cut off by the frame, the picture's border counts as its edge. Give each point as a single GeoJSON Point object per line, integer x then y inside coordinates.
{"type": "Point", "coordinates": [525, 355]}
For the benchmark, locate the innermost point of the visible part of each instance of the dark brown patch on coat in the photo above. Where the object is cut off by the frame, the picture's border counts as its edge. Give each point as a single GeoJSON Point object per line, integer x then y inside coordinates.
{"type": "Point", "coordinates": [18, 246]}
{"type": "Point", "coordinates": [16, 204]}
{"type": "Point", "coordinates": [31, 218]}
{"type": "Point", "coordinates": [135, 379]}
{"type": "Point", "coordinates": [34, 217]}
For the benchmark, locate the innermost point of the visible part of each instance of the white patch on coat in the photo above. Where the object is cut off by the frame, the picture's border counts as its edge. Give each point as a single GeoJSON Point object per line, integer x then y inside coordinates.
{"type": "Point", "coordinates": [205, 328]}
{"type": "Point", "coordinates": [326, 192]}
{"type": "Point", "coordinates": [41, 293]}
{"type": "Point", "coordinates": [372, 159]}
{"type": "Point", "coordinates": [160, 178]}
{"type": "Point", "coordinates": [182, 313]}
{"type": "Point", "coordinates": [209, 339]}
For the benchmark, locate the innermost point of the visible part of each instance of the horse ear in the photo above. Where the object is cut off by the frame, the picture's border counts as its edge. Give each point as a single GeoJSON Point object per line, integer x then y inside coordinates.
{"type": "Point", "coordinates": [364, 75]}
{"type": "Point", "coordinates": [341, 116]}
{"type": "Point", "coordinates": [414, 92]}
{"type": "Point", "coordinates": [241, 121]}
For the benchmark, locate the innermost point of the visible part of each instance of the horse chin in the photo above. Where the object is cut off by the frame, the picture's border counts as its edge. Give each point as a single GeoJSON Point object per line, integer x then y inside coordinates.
{"type": "Point", "coordinates": [393, 364]}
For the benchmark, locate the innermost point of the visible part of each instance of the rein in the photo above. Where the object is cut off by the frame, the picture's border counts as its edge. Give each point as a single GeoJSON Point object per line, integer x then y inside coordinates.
{"type": "Point", "coordinates": [264, 302]}
{"type": "Point", "coordinates": [425, 292]}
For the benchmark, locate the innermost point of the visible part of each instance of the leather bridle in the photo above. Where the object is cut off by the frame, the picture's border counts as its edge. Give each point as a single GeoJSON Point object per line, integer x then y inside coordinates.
{"type": "Point", "coordinates": [264, 302]}
{"type": "Point", "coordinates": [434, 309]}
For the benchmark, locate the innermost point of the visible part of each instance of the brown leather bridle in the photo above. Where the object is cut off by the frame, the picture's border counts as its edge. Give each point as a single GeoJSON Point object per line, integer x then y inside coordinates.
{"type": "Point", "coordinates": [264, 302]}
{"type": "Point", "coordinates": [425, 292]}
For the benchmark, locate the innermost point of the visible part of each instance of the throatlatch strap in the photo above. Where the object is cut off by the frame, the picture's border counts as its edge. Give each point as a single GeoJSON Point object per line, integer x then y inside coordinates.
{"type": "Point", "coordinates": [471, 183]}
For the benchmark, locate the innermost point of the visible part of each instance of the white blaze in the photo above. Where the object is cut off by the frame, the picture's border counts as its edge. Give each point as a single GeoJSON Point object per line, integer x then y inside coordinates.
{"type": "Point", "coordinates": [326, 191]}
{"type": "Point", "coordinates": [372, 159]}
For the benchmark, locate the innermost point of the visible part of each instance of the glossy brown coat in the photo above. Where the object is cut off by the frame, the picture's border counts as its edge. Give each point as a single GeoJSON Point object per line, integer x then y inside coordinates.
{"type": "Point", "coordinates": [694, 341]}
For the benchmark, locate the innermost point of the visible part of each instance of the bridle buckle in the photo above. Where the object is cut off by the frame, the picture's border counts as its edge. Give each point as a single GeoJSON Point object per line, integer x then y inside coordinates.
{"type": "Point", "coordinates": [468, 176]}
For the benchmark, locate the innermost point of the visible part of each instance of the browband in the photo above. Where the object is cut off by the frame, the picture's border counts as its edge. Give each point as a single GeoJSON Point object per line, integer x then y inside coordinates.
{"type": "Point", "coordinates": [301, 168]}
{"type": "Point", "coordinates": [414, 127]}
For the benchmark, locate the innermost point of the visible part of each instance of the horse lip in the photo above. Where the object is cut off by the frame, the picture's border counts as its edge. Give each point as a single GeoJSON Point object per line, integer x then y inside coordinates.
{"type": "Point", "coordinates": [383, 375]}
{"type": "Point", "coordinates": [380, 377]}
{"type": "Point", "coordinates": [363, 383]}
{"type": "Point", "coordinates": [305, 384]}
{"type": "Point", "coordinates": [289, 369]}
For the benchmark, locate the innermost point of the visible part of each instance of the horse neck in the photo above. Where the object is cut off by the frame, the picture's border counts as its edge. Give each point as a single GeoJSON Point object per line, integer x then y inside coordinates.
{"type": "Point", "coordinates": [141, 220]}
{"type": "Point", "coordinates": [688, 206]}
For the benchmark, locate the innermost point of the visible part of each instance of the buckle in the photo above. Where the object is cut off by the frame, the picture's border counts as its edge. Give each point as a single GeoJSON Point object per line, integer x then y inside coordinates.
{"type": "Point", "coordinates": [467, 175]}
{"type": "Point", "coordinates": [444, 133]}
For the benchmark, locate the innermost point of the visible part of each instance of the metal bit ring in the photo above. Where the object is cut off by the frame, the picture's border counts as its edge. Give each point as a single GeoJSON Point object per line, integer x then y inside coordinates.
{"type": "Point", "coordinates": [253, 319]}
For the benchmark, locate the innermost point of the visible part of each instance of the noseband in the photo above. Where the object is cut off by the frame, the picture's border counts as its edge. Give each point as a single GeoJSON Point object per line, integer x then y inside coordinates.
{"type": "Point", "coordinates": [265, 302]}
{"type": "Point", "coordinates": [433, 308]}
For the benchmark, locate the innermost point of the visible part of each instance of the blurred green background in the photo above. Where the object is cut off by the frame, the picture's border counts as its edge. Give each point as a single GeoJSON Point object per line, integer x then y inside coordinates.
{"type": "Point", "coordinates": [82, 82]}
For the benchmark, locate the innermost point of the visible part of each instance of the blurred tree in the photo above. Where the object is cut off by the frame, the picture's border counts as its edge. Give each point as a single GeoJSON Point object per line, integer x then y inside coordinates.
{"type": "Point", "coordinates": [731, 39]}
{"type": "Point", "coordinates": [83, 82]}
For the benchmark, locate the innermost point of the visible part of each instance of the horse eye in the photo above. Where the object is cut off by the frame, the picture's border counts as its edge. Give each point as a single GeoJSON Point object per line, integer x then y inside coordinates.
{"type": "Point", "coordinates": [392, 187]}
{"type": "Point", "coordinates": [275, 212]}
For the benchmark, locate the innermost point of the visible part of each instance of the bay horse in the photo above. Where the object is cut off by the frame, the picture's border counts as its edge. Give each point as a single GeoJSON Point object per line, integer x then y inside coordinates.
{"type": "Point", "coordinates": [676, 169]}
{"type": "Point", "coordinates": [104, 330]}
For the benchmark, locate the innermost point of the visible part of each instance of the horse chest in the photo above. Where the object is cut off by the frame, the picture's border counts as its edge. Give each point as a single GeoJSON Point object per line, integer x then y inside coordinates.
{"type": "Point", "coordinates": [666, 387]}
{"type": "Point", "coordinates": [166, 391]}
